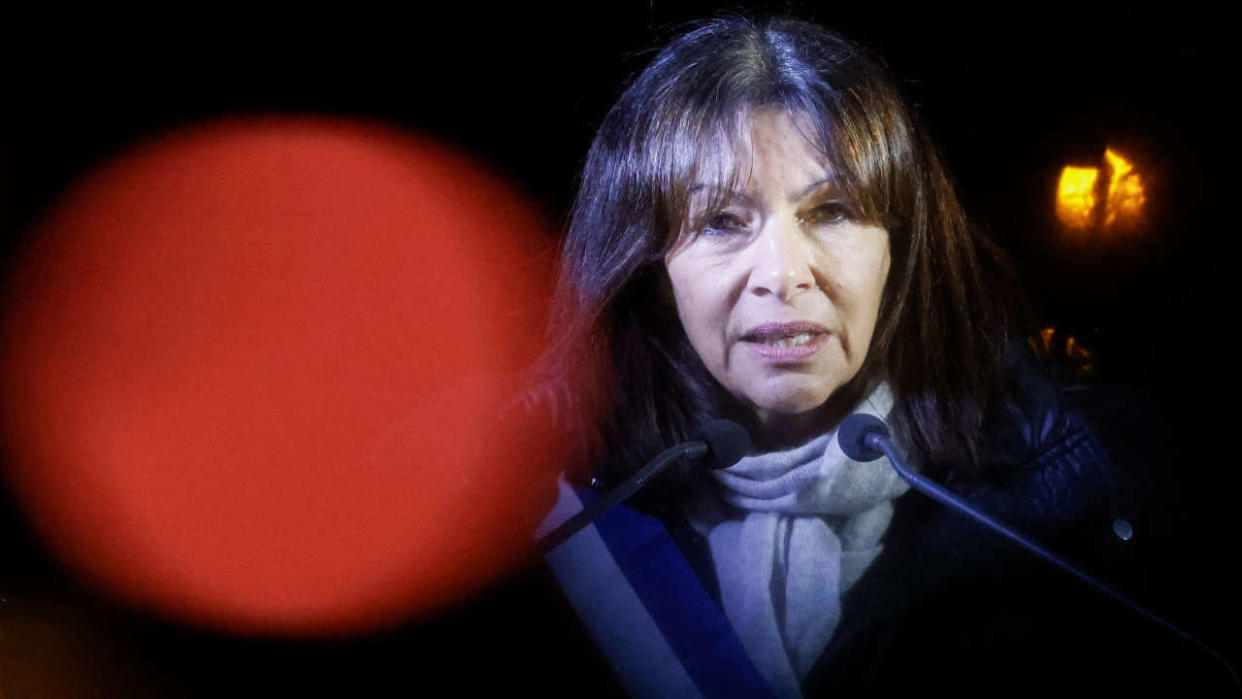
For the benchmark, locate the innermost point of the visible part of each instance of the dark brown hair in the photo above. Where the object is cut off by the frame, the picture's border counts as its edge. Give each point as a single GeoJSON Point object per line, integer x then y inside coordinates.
{"type": "Point", "coordinates": [620, 371]}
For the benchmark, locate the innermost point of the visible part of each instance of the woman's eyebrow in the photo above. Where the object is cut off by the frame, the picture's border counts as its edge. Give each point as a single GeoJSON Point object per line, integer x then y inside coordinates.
{"type": "Point", "coordinates": [730, 194]}
{"type": "Point", "coordinates": [741, 197]}
{"type": "Point", "coordinates": [810, 188]}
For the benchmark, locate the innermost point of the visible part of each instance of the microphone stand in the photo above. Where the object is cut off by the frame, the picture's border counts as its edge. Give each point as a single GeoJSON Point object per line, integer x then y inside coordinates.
{"type": "Point", "coordinates": [877, 440]}
{"type": "Point", "coordinates": [574, 524]}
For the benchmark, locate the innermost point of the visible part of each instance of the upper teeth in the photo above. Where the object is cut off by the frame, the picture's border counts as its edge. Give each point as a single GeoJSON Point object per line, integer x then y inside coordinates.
{"type": "Point", "coordinates": [799, 339]}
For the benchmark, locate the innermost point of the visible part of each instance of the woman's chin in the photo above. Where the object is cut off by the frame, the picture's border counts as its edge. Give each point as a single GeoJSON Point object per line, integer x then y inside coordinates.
{"type": "Point", "coordinates": [791, 400]}
{"type": "Point", "coordinates": [788, 409]}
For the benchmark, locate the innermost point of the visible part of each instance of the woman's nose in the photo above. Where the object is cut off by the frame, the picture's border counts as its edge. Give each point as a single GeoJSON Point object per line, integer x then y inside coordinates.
{"type": "Point", "coordinates": [782, 261]}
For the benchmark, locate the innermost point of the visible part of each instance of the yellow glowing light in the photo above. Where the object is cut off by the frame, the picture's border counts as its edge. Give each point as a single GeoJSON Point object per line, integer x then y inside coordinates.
{"type": "Point", "coordinates": [1086, 202]}
{"type": "Point", "coordinates": [1076, 350]}
{"type": "Point", "coordinates": [1045, 339]}
{"type": "Point", "coordinates": [1076, 196]}
{"type": "Point", "coordinates": [1125, 192]}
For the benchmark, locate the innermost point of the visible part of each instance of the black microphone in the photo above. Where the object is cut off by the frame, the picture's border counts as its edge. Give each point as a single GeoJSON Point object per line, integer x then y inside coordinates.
{"type": "Point", "coordinates": [854, 433]}
{"type": "Point", "coordinates": [865, 438]}
{"type": "Point", "coordinates": [721, 442]}
{"type": "Point", "coordinates": [727, 442]}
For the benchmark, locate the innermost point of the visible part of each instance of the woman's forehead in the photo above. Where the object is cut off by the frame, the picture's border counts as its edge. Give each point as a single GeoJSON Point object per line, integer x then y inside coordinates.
{"type": "Point", "coordinates": [725, 158]}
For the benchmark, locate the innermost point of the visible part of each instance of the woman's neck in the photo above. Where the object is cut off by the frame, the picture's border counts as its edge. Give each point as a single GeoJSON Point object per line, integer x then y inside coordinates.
{"type": "Point", "coordinates": [772, 431]}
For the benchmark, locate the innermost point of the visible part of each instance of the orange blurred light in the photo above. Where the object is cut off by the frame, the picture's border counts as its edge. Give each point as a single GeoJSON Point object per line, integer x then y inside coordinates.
{"type": "Point", "coordinates": [1125, 192]}
{"type": "Point", "coordinates": [1076, 196]}
{"type": "Point", "coordinates": [1086, 202]}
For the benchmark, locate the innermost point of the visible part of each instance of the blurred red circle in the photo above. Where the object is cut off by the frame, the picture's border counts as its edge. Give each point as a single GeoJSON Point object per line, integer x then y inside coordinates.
{"type": "Point", "coordinates": [255, 375]}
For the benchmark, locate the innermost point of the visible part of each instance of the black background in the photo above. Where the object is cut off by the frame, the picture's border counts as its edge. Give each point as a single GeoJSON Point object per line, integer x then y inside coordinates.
{"type": "Point", "coordinates": [1011, 95]}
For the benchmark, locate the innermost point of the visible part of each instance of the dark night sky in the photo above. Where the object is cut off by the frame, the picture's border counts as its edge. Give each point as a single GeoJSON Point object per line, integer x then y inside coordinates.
{"type": "Point", "coordinates": [1010, 96]}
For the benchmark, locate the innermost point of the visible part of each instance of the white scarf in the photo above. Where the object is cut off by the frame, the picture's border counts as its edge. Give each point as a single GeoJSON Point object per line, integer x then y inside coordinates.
{"type": "Point", "coordinates": [802, 527]}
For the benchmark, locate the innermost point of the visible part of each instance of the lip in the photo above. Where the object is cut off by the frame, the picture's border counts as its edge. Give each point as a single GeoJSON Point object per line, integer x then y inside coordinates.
{"type": "Point", "coordinates": [753, 341]}
{"type": "Point", "coordinates": [759, 332]}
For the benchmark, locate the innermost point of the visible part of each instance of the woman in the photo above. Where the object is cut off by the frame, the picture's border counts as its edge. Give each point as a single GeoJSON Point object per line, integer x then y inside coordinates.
{"type": "Point", "coordinates": [764, 233]}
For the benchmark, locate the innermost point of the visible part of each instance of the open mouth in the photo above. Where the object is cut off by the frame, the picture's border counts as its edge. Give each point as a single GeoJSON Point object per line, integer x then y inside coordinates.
{"type": "Point", "coordinates": [785, 334]}
{"type": "Point", "coordinates": [786, 341]}
{"type": "Point", "coordinates": [790, 341]}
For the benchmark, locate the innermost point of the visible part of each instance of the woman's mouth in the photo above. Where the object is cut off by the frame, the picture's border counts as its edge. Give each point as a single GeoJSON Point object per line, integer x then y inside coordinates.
{"type": "Point", "coordinates": [786, 342]}
{"type": "Point", "coordinates": [795, 341]}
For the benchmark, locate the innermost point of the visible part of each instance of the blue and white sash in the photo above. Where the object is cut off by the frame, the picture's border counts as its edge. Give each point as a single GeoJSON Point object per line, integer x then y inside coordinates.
{"type": "Point", "coordinates": [646, 608]}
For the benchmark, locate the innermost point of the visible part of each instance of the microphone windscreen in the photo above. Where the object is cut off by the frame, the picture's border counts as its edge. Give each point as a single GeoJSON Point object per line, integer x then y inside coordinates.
{"type": "Point", "coordinates": [852, 436]}
{"type": "Point", "coordinates": [727, 443]}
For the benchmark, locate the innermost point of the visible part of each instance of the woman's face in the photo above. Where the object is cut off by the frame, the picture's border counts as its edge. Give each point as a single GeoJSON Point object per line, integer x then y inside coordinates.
{"type": "Point", "coordinates": [779, 291]}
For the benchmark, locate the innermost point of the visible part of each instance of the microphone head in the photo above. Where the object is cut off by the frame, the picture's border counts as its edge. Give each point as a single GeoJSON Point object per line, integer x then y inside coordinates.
{"type": "Point", "coordinates": [727, 443]}
{"type": "Point", "coordinates": [852, 436]}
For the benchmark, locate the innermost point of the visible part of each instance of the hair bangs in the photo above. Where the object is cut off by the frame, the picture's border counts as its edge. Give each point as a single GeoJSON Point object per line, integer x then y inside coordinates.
{"type": "Point", "coordinates": [699, 161]}
{"type": "Point", "coordinates": [855, 153]}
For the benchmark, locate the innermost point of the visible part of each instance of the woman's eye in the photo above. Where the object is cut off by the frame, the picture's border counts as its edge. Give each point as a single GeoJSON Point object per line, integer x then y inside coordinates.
{"type": "Point", "coordinates": [832, 212]}
{"type": "Point", "coordinates": [723, 223]}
